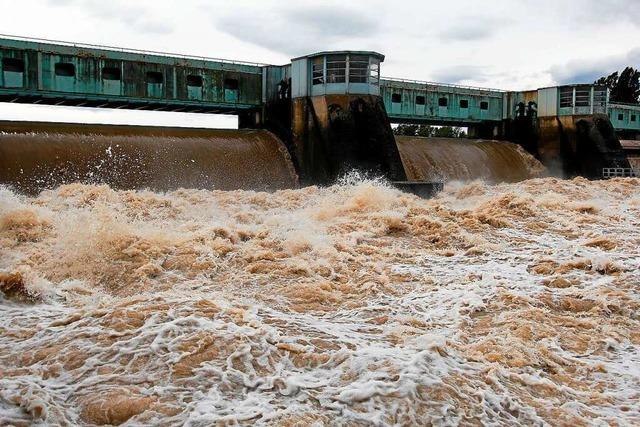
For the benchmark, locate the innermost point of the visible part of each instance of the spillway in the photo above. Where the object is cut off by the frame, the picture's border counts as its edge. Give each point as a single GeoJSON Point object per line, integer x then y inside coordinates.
{"type": "Point", "coordinates": [143, 159]}
{"type": "Point", "coordinates": [452, 159]}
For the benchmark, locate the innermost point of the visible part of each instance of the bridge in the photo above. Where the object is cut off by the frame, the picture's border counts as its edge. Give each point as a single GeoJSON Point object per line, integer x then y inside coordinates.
{"type": "Point", "coordinates": [61, 73]}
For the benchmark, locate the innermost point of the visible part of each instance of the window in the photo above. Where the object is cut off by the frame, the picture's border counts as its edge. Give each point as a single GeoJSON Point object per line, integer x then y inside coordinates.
{"type": "Point", "coordinates": [633, 117]}
{"type": "Point", "coordinates": [194, 81]}
{"type": "Point", "coordinates": [484, 105]}
{"type": "Point", "coordinates": [374, 71]}
{"type": "Point", "coordinates": [621, 116]}
{"type": "Point", "coordinates": [600, 97]}
{"type": "Point", "coordinates": [111, 73]}
{"type": "Point", "coordinates": [336, 68]}
{"type": "Point", "coordinates": [154, 77]}
{"type": "Point", "coordinates": [13, 65]}
{"type": "Point", "coordinates": [464, 103]}
{"type": "Point", "coordinates": [65, 69]}
{"type": "Point", "coordinates": [396, 97]}
{"type": "Point", "coordinates": [358, 68]}
{"type": "Point", "coordinates": [317, 70]}
{"type": "Point", "coordinates": [566, 97]}
{"type": "Point", "coordinates": [420, 100]}
{"type": "Point", "coordinates": [583, 96]}
{"type": "Point", "coordinates": [231, 84]}
{"type": "Point", "coordinates": [442, 102]}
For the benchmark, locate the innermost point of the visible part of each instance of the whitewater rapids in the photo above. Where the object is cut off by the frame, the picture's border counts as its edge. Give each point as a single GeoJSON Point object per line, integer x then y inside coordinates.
{"type": "Point", "coordinates": [356, 304]}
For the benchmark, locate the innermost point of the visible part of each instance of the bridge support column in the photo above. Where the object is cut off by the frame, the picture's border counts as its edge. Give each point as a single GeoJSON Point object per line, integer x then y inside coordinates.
{"type": "Point", "coordinates": [333, 134]}
{"type": "Point", "coordinates": [484, 131]}
{"type": "Point", "coordinates": [250, 119]}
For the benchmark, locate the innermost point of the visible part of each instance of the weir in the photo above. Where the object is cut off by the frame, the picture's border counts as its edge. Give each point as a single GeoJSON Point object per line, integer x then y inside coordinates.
{"type": "Point", "coordinates": [446, 159]}
{"type": "Point", "coordinates": [128, 157]}
{"type": "Point", "coordinates": [322, 114]}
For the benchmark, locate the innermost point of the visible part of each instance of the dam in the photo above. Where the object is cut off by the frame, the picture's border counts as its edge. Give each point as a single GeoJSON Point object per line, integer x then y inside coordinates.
{"type": "Point", "coordinates": [324, 114]}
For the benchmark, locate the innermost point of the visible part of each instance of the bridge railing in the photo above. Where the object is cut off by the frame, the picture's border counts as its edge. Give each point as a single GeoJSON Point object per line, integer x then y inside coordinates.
{"type": "Point", "coordinates": [129, 50]}
{"type": "Point", "coordinates": [619, 172]}
{"type": "Point", "coordinates": [436, 84]}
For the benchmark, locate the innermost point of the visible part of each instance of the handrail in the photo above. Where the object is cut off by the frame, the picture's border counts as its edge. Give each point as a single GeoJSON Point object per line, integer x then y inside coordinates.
{"type": "Point", "coordinates": [129, 50]}
{"type": "Point", "coordinates": [624, 104]}
{"type": "Point", "coordinates": [429, 83]}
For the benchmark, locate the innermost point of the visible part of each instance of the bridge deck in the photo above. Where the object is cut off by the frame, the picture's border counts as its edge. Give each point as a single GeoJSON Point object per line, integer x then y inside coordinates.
{"type": "Point", "coordinates": [61, 73]}
{"type": "Point", "coordinates": [35, 71]}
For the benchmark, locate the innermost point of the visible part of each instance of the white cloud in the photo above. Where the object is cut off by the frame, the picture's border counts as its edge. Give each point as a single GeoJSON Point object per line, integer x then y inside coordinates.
{"type": "Point", "coordinates": [497, 43]}
{"type": "Point", "coordinates": [589, 70]}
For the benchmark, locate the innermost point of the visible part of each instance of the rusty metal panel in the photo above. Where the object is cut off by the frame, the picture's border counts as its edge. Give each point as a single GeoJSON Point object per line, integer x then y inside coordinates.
{"type": "Point", "coordinates": [67, 73]}
{"type": "Point", "coordinates": [437, 103]}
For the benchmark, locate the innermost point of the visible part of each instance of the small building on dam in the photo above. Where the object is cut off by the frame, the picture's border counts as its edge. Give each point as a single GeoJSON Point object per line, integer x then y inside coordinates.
{"type": "Point", "coordinates": [332, 110]}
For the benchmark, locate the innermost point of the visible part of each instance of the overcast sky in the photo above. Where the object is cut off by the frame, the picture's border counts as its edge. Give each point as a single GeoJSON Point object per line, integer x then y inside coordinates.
{"type": "Point", "coordinates": [505, 44]}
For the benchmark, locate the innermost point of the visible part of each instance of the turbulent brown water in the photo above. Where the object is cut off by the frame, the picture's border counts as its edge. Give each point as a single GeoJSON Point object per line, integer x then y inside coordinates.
{"type": "Point", "coordinates": [356, 304]}
{"type": "Point", "coordinates": [223, 159]}
{"type": "Point", "coordinates": [455, 159]}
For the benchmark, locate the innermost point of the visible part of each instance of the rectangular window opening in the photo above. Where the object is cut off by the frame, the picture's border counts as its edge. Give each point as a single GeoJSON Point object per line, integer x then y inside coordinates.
{"type": "Point", "coordinates": [420, 100]}
{"type": "Point", "coordinates": [566, 97]}
{"type": "Point", "coordinates": [65, 69]}
{"type": "Point", "coordinates": [194, 81]}
{"type": "Point", "coordinates": [336, 68]}
{"type": "Point", "coordinates": [111, 73]}
{"type": "Point", "coordinates": [374, 71]}
{"type": "Point", "coordinates": [633, 117]}
{"type": "Point", "coordinates": [583, 96]}
{"type": "Point", "coordinates": [484, 105]}
{"type": "Point", "coordinates": [13, 65]}
{"type": "Point", "coordinates": [358, 68]}
{"type": "Point", "coordinates": [443, 102]}
{"type": "Point", "coordinates": [231, 84]}
{"type": "Point", "coordinates": [464, 103]}
{"type": "Point", "coordinates": [318, 70]}
{"type": "Point", "coordinates": [154, 77]}
{"type": "Point", "coordinates": [396, 97]}
{"type": "Point", "coordinates": [620, 117]}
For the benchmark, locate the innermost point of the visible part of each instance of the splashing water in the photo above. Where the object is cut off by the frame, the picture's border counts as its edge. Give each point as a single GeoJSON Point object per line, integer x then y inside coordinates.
{"type": "Point", "coordinates": [353, 304]}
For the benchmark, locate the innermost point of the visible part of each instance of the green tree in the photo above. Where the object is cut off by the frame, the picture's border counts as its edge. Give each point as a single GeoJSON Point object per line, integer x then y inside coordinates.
{"type": "Point", "coordinates": [624, 86]}
{"type": "Point", "coordinates": [427, 131]}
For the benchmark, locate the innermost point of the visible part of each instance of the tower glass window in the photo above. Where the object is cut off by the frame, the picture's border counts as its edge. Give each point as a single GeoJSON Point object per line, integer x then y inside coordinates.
{"type": "Point", "coordinates": [374, 71]}
{"type": "Point", "coordinates": [566, 97]}
{"type": "Point", "coordinates": [318, 70]}
{"type": "Point", "coordinates": [358, 68]}
{"type": "Point", "coordinates": [583, 96]}
{"type": "Point", "coordinates": [336, 68]}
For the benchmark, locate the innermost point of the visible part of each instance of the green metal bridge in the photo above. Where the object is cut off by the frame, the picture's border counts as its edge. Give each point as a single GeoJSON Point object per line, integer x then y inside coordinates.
{"type": "Point", "coordinates": [61, 73]}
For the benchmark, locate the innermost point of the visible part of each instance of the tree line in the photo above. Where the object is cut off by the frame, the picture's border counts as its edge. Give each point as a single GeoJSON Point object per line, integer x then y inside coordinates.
{"type": "Point", "coordinates": [624, 86]}
{"type": "Point", "coordinates": [430, 131]}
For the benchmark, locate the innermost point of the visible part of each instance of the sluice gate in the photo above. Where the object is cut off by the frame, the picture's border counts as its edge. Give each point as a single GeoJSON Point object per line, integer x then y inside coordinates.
{"type": "Point", "coordinates": [305, 122]}
{"type": "Point", "coordinates": [457, 159]}
{"type": "Point", "coordinates": [34, 157]}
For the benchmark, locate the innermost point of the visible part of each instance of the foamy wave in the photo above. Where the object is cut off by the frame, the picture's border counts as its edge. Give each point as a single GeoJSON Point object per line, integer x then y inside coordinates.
{"type": "Point", "coordinates": [355, 303]}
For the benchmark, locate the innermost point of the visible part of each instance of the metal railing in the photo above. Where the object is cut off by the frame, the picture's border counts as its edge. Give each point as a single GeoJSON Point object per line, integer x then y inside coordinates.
{"type": "Point", "coordinates": [128, 50]}
{"type": "Point", "coordinates": [449, 85]}
{"type": "Point", "coordinates": [620, 172]}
